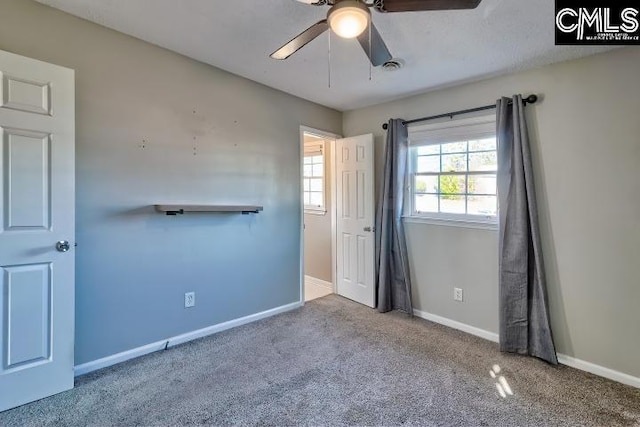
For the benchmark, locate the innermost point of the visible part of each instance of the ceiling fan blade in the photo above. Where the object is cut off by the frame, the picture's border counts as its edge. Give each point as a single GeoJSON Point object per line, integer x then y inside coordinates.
{"type": "Point", "coordinates": [421, 5]}
{"type": "Point", "coordinates": [379, 53]}
{"type": "Point", "coordinates": [301, 40]}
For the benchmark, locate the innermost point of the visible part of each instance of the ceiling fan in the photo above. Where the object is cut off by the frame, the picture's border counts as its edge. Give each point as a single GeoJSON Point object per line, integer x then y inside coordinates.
{"type": "Point", "coordinates": [350, 18]}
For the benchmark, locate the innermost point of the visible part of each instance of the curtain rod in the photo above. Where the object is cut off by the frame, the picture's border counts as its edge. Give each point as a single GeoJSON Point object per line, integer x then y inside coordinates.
{"type": "Point", "coordinates": [531, 99]}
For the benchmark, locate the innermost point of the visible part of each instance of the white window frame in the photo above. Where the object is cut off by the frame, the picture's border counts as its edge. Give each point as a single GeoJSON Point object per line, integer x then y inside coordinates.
{"type": "Point", "coordinates": [314, 147]}
{"type": "Point", "coordinates": [473, 128]}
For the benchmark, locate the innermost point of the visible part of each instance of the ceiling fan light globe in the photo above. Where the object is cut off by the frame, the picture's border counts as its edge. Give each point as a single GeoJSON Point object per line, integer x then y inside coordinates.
{"type": "Point", "coordinates": [349, 19]}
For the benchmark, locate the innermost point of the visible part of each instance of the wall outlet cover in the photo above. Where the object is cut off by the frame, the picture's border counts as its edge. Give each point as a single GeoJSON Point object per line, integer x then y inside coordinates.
{"type": "Point", "coordinates": [457, 294]}
{"type": "Point", "coordinates": [189, 299]}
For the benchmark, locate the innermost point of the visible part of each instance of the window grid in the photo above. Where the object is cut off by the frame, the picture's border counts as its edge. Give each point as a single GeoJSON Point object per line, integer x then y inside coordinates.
{"type": "Point", "coordinates": [466, 174]}
{"type": "Point", "coordinates": [313, 172]}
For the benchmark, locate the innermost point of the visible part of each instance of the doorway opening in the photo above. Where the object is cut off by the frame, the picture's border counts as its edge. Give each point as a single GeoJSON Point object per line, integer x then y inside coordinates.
{"type": "Point", "coordinates": [337, 236]}
{"type": "Point", "coordinates": [318, 213]}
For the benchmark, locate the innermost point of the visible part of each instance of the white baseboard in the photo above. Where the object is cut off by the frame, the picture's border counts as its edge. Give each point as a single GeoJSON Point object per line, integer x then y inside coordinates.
{"type": "Point", "coordinates": [562, 358]}
{"type": "Point", "coordinates": [179, 339]}
{"type": "Point", "coordinates": [599, 370]}
{"type": "Point", "coordinates": [457, 325]}
{"type": "Point", "coordinates": [319, 282]}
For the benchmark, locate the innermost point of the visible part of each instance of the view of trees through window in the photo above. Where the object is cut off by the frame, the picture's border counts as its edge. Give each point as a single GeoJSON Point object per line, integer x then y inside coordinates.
{"type": "Point", "coordinates": [456, 178]}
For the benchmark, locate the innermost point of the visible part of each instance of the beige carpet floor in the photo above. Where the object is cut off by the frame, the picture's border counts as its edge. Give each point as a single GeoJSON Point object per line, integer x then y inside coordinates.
{"type": "Point", "coordinates": [334, 362]}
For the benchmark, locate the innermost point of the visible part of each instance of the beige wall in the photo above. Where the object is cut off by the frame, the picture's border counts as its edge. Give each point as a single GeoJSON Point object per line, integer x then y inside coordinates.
{"type": "Point", "coordinates": [586, 145]}
{"type": "Point", "coordinates": [446, 257]}
{"type": "Point", "coordinates": [317, 232]}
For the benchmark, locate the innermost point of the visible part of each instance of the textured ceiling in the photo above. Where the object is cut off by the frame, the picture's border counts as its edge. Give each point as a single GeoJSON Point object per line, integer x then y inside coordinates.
{"type": "Point", "coordinates": [438, 48]}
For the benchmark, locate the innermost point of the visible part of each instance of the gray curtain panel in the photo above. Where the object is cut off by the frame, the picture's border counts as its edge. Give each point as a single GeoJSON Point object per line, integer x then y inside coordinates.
{"type": "Point", "coordinates": [393, 282]}
{"type": "Point", "coordinates": [524, 310]}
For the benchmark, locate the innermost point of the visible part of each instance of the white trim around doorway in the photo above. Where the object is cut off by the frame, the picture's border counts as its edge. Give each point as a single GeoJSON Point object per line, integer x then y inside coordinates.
{"type": "Point", "coordinates": [331, 186]}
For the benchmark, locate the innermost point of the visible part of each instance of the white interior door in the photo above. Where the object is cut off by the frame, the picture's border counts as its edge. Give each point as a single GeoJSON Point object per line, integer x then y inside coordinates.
{"type": "Point", "coordinates": [37, 127]}
{"type": "Point", "coordinates": [355, 219]}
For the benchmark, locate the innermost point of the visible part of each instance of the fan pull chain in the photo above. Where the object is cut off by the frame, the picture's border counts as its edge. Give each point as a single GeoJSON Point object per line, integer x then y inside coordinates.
{"type": "Point", "coordinates": [329, 60]}
{"type": "Point", "coordinates": [370, 52]}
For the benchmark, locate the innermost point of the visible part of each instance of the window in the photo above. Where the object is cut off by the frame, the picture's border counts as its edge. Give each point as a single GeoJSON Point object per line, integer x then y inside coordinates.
{"type": "Point", "coordinates": [453, 171]}
{"type": "Point", "coordinates": [313, 177]}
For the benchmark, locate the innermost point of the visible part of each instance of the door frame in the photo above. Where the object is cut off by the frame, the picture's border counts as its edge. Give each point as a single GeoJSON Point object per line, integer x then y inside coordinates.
{"type": "Point", "coordinates": [331, 187]}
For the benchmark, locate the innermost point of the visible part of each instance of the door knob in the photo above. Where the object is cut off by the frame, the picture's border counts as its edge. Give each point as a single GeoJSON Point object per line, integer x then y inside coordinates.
{"type": "Point", "coordinates": [62, 246]}
{"type": "Point", "coordinates": [369, 229]}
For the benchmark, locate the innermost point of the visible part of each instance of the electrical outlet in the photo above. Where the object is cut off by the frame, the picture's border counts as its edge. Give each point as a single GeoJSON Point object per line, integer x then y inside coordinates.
{"type": "Point", "coordinates": [189, 299]}
{"type": "Point", "coordinates": [457, 294]}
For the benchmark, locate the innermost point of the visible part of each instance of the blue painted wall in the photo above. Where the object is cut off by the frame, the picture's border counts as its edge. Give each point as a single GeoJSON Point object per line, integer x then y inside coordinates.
{"type": "Point", "coordinates": [156, 127]}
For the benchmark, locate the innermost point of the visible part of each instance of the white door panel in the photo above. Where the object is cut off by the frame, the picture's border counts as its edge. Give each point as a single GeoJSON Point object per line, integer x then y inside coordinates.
{"type": "Point", "coordinates": [354, 225]}
{"type": "Point", "coordinates": [37, 127]}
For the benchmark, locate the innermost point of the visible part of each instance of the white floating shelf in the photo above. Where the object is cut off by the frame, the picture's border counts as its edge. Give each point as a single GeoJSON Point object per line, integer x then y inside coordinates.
{"type": "Point", "coordinates": [180, 209]}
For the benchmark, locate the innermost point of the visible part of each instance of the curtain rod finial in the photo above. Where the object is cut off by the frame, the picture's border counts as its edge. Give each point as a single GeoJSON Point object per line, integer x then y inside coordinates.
{"type": "Point", "coordinates": [385, 126]}
{"type": "Point", "coordinates": [531, 99]}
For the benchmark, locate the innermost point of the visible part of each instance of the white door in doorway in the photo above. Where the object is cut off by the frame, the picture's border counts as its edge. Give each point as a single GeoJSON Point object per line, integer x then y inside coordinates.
{"type": "Point", "coordinates": [355, 219]}
{"type": "Point", "coordinates": [37, 134]}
